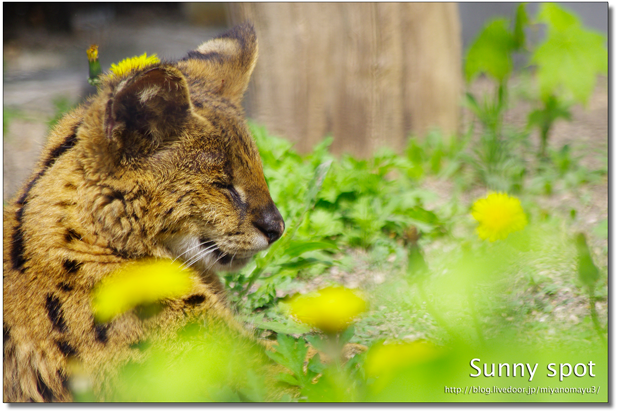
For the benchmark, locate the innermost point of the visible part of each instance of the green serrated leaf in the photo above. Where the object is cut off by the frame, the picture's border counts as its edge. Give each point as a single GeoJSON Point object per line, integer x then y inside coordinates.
{"type": "Point", "coordinates": [277, 357]}
{"type": "Point", "coordinates": [551, 111]}
{"type": "Point", "coordinates": [301, 350]}
{"type": "Point", "coordinates": [290, 353]}
{"type": "Point", "coordinates": [315, 365]}
{"type": "Point", "coordinates": [288, 379]}
{"type": "Point", "coordinates": [558, 18]}
{"type": "Point", "coordinates": [571, 58]}
{"type": "Point", "coordinates": [294, 351]}
{"type": "Point", "coordinates": [490, 52]}
{"type": "Point", "coordinates": [326, 223]}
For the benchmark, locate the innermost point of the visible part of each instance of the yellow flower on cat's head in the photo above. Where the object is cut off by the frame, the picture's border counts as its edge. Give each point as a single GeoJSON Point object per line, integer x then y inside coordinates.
{"type": "Point", "coordinates": [137, 283]}
{"type": "Point", "coordinates": [93, 53]}
{"type": "Point", "coordinates": [499, 215]}
{"type": "Point", "coordinates": [331, 309]}
{"type": "Point", "coordinates": [126, 66]}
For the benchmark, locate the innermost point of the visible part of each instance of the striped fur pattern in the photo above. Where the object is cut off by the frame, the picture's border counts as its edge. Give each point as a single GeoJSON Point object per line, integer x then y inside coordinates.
{"type": "Point", "coordinates": [158, 164]}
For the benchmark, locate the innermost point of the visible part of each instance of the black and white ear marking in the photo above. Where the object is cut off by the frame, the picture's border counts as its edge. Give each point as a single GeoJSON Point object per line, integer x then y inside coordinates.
{"type": "Point", "coordinates": [228, 60]}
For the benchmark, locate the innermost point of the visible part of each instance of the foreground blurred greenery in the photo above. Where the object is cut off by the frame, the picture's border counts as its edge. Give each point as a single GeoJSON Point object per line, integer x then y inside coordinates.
{"type": "Point", "coordinates": [442, 286]}
{"type": "Point", "coordinates": [528, 297]}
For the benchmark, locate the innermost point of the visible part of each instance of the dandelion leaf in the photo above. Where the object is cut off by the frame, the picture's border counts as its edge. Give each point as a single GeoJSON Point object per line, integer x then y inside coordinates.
{"type": "Point", "coordinates": [491, 52]}
{"type": "Point", "coordinates": [571, 57]}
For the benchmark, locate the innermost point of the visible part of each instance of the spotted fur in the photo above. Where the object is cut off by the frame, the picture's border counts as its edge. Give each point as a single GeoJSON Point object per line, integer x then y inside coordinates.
{"type": "Point", "coordinates": [159, 163]}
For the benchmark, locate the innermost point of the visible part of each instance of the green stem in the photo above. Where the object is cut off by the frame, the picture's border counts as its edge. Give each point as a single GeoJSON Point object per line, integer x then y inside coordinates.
{"type": "Point", "coordinates": [333, 349]}
{"type": "Point", "coordinates": [501, 104]}
{"type": "Point", "coordinates": [594, 315]}
{"type": "Point", "coordinates": [544, 135]}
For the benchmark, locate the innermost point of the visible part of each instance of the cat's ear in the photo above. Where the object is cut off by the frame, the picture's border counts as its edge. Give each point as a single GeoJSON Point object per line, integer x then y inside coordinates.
{"type": "Point", "coordinates": [146, 110]}
{"type": "Point", "coordinates": [226, 62]}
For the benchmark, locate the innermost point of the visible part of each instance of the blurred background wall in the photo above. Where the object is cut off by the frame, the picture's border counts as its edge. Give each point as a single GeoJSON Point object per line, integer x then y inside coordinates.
{"type": "Point", "coordinates": [370, 74]}
{"type": "Point", "coordinates": [367, 73]}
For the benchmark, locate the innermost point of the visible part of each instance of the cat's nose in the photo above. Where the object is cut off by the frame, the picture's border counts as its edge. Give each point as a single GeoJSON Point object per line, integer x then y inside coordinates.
{"type": "Point", "coordinates": [270, 223]}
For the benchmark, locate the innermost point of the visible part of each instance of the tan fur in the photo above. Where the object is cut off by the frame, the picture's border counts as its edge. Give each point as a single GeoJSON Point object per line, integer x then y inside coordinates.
{"type": "Point", "coordinates": [156, 163]}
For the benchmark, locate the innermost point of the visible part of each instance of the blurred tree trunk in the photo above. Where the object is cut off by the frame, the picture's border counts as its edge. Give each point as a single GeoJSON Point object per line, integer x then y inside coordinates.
{"type": "Point", "coordinates": [370, 74]}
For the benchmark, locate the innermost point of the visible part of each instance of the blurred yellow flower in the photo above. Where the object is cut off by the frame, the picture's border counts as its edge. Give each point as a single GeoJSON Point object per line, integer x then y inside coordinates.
{"type": "Point", "coordinates": [331, 309]}
{"type": "Point", "coordinates": [499, 215]}
{"type": "Point", "coordinates": [138, 283]}
{"type": "Point", "coordinates": [125, 66]}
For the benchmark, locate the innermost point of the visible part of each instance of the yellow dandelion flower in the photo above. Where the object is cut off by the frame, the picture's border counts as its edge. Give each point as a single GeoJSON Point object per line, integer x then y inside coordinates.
{"type": "Point", "coordinates": [126, 66]}
{"type": "Point", "coordinates": [331, 309]}
{"type": "Point", "coordinates": [138, 283]}
{"type": "Point", "coordinates": [499, 215]}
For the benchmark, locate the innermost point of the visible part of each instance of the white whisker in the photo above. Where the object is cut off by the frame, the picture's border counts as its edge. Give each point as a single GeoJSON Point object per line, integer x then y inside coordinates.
{"type": "Point", "coordinates": [199, 256]}
{"type": "Point", "coordinates": [233, 259]}
{"type": "Point", "coordinates": [192, 248]}
{"type": "Point", "coordinates": [216, 260]}
{"type": "Point", "coordinates": [208, 249]}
